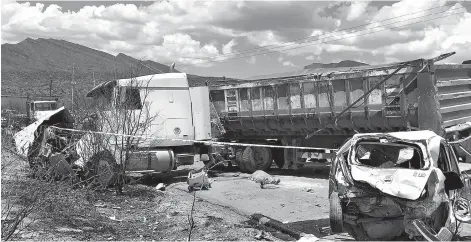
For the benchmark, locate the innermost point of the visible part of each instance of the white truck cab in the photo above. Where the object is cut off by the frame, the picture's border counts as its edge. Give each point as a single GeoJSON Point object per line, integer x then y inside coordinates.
{"type": "Point", "coordinates": [40, 109]}
{"type": "Point", "coordinates": [175, 115]}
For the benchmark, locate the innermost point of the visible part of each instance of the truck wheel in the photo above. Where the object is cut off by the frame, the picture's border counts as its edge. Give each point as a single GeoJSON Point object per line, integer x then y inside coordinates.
{"type": "Point", "coordinates": [103, 169]}
{"type": "Point", "coordinates": [239, 160]}
{"type": "Point", "coordinates": [267, 158]}
{"type": "Point", "coordinates": [278, 157]}
{"type": "Point", "coordinates": [300, 162]}
{"type": "Point", "coordinates": [257, 158]}
{"type": "Point", "coordinates": [248, 160]}
{"type": "Point", "coordinates": [335, 215]}
{"type": "Point", "coordinates": [288, 156]}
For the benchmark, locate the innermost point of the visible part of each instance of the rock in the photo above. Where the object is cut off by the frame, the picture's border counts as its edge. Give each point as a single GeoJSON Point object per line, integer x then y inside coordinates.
{"type": "Point", "coordinates": [160, 187]}
{"type": "Point", "coordinates": [64, 229]}
{"type": "Point", "coordinates": [115, 219]}
{"type": "Point", "coordinates": [87, 228]}
{"type": "Point", "coordinates": [263, 178]}
{"type": "Point", "coordinates": [28, 235]}
{"type": "Point", "coordinates": [308, 238]}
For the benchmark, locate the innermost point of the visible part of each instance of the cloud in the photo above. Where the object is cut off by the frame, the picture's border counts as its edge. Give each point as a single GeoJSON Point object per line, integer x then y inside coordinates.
{"type": "Point", "coordinates": [227, 48]}
{"type": "Point", "coordinates": [357, 9]}
{"type": "Point", "coordinates": [194, 32]}
{"type": "Point", "coordinates": [252, 60]}
{"type": "Point", "coordinates": [288, 63]}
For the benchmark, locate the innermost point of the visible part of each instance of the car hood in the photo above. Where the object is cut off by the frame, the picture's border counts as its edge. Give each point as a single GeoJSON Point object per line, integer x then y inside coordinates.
{"type": "Point", "coordinates": [398, 182]}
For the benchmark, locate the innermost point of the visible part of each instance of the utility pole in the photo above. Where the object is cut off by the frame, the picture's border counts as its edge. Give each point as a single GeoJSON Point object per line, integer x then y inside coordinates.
{"type": "Point", "coordinates": [73, 83]}
{"type": "Point", "coordinates": [114, 63]}
{"type": "Point", "coordinates": [50, 88]}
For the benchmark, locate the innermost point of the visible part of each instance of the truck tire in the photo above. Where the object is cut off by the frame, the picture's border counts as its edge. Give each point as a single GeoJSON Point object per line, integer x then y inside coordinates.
{"type": "Point", "coordinates": [239, 160]}
{"type": "Point", "coordinates": [278, 157]}
{"type": "Point", "coordinates": [335, 215]}
{"type": "Point", "coordinates": [257, 158]}
{"type": "Point", "coordinates": [103, 168]}
{"type": "Point", "coordinates": [300, 162]}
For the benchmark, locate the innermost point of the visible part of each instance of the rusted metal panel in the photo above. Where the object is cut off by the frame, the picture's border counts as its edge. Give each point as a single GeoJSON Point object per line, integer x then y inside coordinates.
{"type": "Point", "coordinates": [296, 106]}
{"type": "Point", "coordinates": [454, 93]}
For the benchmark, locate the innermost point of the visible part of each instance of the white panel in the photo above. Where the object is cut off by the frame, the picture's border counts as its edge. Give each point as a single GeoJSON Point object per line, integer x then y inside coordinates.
{"type": "Point", "coordinates": [201, 112]}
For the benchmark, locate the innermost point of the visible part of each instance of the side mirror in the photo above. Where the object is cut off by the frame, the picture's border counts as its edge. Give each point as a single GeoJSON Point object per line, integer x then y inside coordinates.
{"type": "Point", "coordinates": [453, 181]}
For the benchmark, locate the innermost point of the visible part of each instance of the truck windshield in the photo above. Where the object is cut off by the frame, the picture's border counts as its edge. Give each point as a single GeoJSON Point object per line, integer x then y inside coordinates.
{"type": "Point", "coordinates": [129, 98]}
{"type": "Point", "coordinates": [389, 155]}
{"type": "Point", "coordinates": [44, 106]}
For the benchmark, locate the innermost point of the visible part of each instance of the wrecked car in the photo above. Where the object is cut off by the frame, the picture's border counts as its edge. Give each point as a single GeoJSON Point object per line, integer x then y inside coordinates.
{"type": "Point", "coordinates": [400, 185]}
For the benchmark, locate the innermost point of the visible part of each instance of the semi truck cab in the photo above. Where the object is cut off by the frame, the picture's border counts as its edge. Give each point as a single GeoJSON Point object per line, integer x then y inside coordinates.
{"type": "Point", "coordinates": [40, 109]}
{"type": "Point", "coordinates": [172, 116]}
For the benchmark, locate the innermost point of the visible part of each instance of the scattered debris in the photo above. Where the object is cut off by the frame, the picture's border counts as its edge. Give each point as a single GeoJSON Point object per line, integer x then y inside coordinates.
{"type": "Point", "coordinates": [64, 229]}
{"type": "Point", "coordinates": [265, 235]}
{"type": "Point", "coordinates": [115, 219]}
{"type": "Point", "coordinates": [198, 180]}
{"type": "Point", "coordinates": [308, 238]}
{"type": "Point", "coordinates": [263, 178]}
{"type": "Point", "coordinates": [160, 187]}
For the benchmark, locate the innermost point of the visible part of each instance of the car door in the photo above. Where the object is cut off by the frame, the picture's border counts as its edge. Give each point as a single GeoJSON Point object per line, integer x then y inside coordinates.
{"type": "Point", "coordinates": [462, 197]}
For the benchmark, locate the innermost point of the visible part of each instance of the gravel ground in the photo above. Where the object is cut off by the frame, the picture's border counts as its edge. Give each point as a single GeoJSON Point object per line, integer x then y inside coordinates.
{"type": "Point", "coordinates": [144, 213]}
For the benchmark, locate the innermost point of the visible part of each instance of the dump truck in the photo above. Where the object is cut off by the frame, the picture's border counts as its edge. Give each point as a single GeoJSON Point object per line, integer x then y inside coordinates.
{"type": "Point", "coordinates": [324, 107]}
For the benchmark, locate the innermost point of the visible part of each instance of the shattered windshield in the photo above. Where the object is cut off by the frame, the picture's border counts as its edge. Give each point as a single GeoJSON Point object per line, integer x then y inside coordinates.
{"type": "Point", "coordinates": [388, 155]}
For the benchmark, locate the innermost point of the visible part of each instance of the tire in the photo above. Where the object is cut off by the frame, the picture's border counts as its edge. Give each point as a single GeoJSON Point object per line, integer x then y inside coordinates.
{"type": "Point", "coordinates": [247, 160]}
{"type": "Point", "coordinates": [268, 159]}
{"type": "Point", "coordinates": [300, 162]}
{"type": "Point", "coordinates": [335, 215]}
{"type": "Point", "coordinates": [257, 158]}
{"type": "Point", "coordinates": [278, 157]}
{"type": "Point", "coordinates": [239, 160]}
{"type": "Point", "coordinates": [288, 157]}
{"type": "Point", "coordinates": [104, 169]}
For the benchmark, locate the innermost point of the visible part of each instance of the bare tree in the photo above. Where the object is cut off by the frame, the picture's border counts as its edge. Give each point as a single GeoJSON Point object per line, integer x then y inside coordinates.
{"type": "Point", "coordinates": [119, 125]}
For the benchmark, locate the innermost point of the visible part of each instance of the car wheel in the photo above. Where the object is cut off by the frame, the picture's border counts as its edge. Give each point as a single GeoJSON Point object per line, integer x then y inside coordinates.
{"type": "Point", "coordinates": [335, 215]}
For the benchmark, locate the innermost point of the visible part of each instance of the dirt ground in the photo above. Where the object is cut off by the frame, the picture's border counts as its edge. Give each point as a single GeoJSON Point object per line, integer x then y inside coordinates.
{"type": "Point", "coordinates": [144, 213]}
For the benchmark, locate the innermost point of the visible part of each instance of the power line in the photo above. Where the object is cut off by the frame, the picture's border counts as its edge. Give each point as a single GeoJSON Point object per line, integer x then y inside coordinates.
{"type": "Point", "coordinates": [297, 47]}
{"type": "Point", "coordinates": [331, 32]}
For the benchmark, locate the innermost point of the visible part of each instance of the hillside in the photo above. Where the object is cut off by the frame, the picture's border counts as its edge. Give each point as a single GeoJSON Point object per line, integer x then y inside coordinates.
{"type": "Point", "coordinates": [28, 68]}
{"type": "Point", "coordinates": [345, 63]}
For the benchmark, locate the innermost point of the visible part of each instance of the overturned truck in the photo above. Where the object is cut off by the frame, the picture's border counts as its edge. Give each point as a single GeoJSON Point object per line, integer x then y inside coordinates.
{"type": "Point", "coordinates": [324, 107]}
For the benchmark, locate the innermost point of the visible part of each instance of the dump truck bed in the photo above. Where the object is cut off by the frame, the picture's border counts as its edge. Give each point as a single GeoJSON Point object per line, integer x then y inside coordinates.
{"type": "Point", "coordinates": [420, 95]}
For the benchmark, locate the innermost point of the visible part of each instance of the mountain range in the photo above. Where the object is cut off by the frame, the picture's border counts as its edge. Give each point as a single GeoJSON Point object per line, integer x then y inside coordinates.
{"type": "Point", "coordinates": [33, 66]}
{"type": "Point", "coordinates": [345, 63]}
{"type": "Point", "coordinates": [39, 67]}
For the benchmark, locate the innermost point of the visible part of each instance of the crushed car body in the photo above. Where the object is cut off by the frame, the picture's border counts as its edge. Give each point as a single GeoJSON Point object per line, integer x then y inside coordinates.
{"type": "Point", "coordinates": [396, 186]}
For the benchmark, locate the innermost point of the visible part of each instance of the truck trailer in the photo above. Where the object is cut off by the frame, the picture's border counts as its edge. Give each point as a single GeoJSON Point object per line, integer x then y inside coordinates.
{"type": "Point", "coordinates": [326, 106]}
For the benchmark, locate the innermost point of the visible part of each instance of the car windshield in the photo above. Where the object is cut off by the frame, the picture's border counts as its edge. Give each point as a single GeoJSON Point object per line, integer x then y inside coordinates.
{"type": "Point", "coordinates": [384, 154]}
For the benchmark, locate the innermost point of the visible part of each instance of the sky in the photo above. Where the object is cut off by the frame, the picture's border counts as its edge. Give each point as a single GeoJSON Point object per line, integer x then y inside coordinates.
{"type": "Point", "coordinates": [248, 38]}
